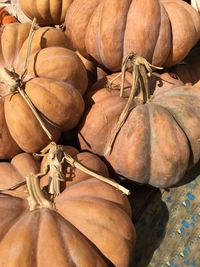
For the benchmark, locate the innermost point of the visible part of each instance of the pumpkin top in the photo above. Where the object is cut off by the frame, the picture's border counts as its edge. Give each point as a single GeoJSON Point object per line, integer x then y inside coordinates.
{"type": "Point", "coordinates": [106, 31]}
{"type": "Point", "coordinates": [50, 12]}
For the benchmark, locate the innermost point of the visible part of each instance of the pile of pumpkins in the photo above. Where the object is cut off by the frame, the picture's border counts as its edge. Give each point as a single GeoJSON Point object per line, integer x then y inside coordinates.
{"type": "Point", "coordinates": [120, 77]}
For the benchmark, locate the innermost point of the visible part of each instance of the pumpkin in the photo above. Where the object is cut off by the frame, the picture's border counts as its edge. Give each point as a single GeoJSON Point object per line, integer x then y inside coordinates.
{"type": "Point", "coordinates": [50, 12]}
{"type": "Point", "coordinates": [159, 140]}
{"type": "Point", "coordinates": [188, 71]}
{"type": "Point", "coordinates": [55, 81]}
{"type": "Point", "coordinates": [6, 18]}
{"type": "Point", "coordinates": [83, 230]}
{"type": "Point", "coordinates": [108, 30]}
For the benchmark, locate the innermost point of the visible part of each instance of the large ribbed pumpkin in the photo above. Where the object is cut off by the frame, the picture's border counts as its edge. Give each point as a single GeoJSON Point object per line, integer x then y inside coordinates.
{"type": "Point", "coordinates": [51, 12]}
{"type": "Point", "coordinates": [158, 141]}
{"type": "Point", "coordinates": [55, 81]}
{"type": "Point", "coordinates": [91, 226]}
{"type": "Point", "coordinates": [162, 31]}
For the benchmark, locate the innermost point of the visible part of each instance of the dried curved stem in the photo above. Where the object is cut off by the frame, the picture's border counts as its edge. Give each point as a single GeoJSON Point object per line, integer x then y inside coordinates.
{"type": "Point", "coordinates": [13, 187]}
{"type": "Point", "coordinates": [82, 168]}
{"type": "Point", "coordinates": [36, 197]}
{"type": "Point", "coordinates": [56, 161]}
{"type": "Point", "coordinates": [16, 85]}
{"type": "Point", "coordinates": [141, 69]}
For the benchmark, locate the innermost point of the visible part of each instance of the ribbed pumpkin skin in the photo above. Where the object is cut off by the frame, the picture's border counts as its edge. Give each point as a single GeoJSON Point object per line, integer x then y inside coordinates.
{"type": "Point", "coordinates": [159, 139]}
{"type": "Point", "coordinates": [83, 231]}
{"type": "Point", "coordinates": [107, 30]}
{"type": "Point", "coordinates": [47, 12]}
{"type": "Point", "coordinates": [55, 82]}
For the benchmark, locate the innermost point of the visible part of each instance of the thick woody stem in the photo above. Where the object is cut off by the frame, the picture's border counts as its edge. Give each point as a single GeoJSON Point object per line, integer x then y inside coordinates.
{"type": "Point", "coordinates": [36, 197]}
{"type": "Point", "coordinates": [141, 69]}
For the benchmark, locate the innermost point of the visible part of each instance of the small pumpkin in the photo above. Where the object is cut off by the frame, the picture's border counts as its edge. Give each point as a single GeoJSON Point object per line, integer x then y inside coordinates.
{"type": "Point", "coordinates": [159, 140]}
{"type": "Point", "coordinates": [102, 30]}
{"type": "Point", "coordinates": [82, 231]}
{"type": "Point", "coordinates": [6, 18]}
{"type": "Point", "coordinates": [50, 12]}
{"type": "Point", "coordinates": [54, 82]}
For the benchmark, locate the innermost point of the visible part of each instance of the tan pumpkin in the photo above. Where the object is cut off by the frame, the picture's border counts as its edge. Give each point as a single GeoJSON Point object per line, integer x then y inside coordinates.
{"type": "Point", "coordinates": [51, 12]}
{"type": "Point", "coordinates": [108, 30]}
{"type": "Point", "coordinates": [82, 231]}
{"type": "Point", "coordinates": [55, 81]}
{"type": "Point", "coordinates": [159, 140]}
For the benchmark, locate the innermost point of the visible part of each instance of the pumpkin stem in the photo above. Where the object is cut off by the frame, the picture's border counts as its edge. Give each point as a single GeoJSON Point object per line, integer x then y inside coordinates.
{"type": "Point", "coordinates": [36, 197]}
{"type": "Point", "coordinates": [57, 157]}
{"type": "Point", "coordinates": [16, 82]}
{"type": "Point", "coordinates": [82, 168]}
{"type": "Point", "coordinates": [141, 69]}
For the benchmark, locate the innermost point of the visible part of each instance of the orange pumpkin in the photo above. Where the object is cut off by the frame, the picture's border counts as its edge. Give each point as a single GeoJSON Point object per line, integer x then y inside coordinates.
{"type": "Point", "coordinates": [159, 140]}
{"type": "Point", "coordinates": [55, 81]}
{"type": "Point", "coordinates": [107, 30]}
{"type": "Point", "coordinates": [82, 231]}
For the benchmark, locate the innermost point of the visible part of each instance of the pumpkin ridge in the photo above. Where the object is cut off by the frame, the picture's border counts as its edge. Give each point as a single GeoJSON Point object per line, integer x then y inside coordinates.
{"type": "Point", "coordinates": [98, 32]}
{"type": "Point", "coordinates": [173, 114]}
{"type": "Point", "coordinates": [73, 93]}
{"type": "Point", "coordinates": [175, 136]}
{"type": "Point", "coordinates": [189, 15]}
{"type": "Point", "coordinates": [16, 58]}
{"type": "Point", "coordinates": [146, 105]}
{"type": "Point", "coordinates": [64, 246]}
{"type": "Point", "coordinates": [101, 203]}
{"type": "Point", "coordinates": [162, 9]}
{"type": "Point", "coordinates": [17, 217]}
